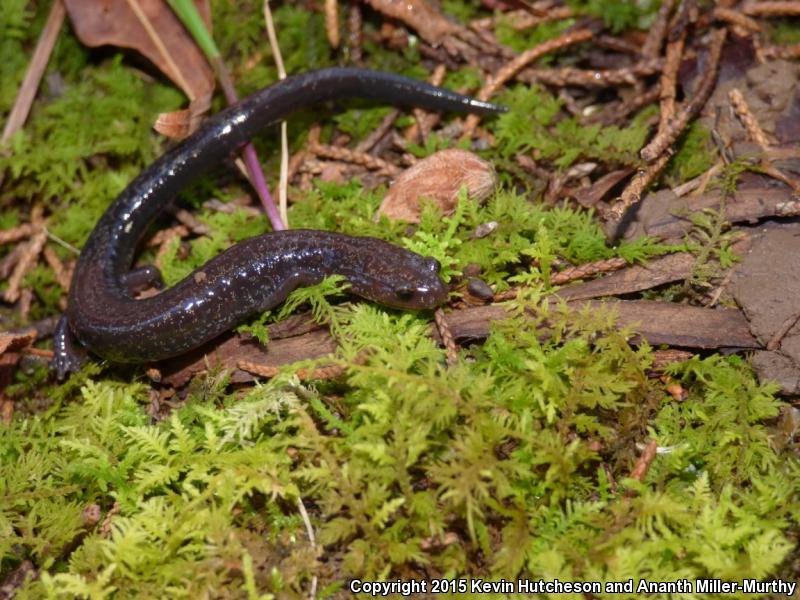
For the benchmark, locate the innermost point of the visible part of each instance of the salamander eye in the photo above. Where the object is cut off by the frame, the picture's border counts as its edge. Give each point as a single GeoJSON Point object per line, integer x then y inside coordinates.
{"type": "Point", "coordinates": [404, 292]}
{"type": "Point", "coordinates": [434, 266]}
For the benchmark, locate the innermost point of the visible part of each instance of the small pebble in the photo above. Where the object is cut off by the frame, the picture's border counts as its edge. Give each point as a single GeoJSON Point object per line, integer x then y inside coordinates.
{"type": "Point", "coordinates": [480, 289]}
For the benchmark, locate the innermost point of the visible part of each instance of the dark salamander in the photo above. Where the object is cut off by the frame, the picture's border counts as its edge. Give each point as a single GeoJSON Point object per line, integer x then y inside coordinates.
{"type": "Point", "coordinates": [253, 275]}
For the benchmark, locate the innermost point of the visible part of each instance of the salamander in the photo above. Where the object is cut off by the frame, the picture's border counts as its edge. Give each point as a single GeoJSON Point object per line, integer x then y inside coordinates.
{"type": "Point", "coordinates": [254, 275]}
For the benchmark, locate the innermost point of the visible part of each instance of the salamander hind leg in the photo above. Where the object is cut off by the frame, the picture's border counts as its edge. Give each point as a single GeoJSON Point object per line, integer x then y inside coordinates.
{"type": "Point", "coordinates": [69, 355]}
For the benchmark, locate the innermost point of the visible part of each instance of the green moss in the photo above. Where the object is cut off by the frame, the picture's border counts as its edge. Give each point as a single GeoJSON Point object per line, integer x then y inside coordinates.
{"type": "Point", "coordinates": [533, 125]}
{"type": "Point", "coordinates": [696, 154]}
{"type": "Point", "coordinates": [525, 39]}
{"type": "Point", "coordinates": [619, 15]}
{"type": "Point", "coordinates": [503, 447]}
{"type": "Point", "coordinates": [783, 31]}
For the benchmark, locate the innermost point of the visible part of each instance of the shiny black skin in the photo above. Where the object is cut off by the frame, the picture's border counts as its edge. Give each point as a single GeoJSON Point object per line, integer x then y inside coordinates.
{"type": "Point", "coordinates": [255, 274]}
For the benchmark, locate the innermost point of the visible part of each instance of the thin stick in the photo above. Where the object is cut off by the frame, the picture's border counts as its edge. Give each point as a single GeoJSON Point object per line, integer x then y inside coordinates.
{"type": "Point", "coordinates": [655, 37]}
{"type": "Point", "coordinates": [328, 372]}
{"type": "Point", "coordinates": [773, 9]}
{"type": "Point", "coordinates": [749, 121]}
{"type": "Point", "coordinates": [28, 260]}
{"type": "Point", "coordinates": [144, 21]}
{"type": "Point", "coordinates": [450, 347]}
{"type": "Point", "coordinates": [634, 190]}
{"type": "Point", "coordinates": [734, 17]}
{"type": "Point", "coordinates": [665, 138]}
{"type": "Point", "coordinates": [41, 55]}
{"type": "Point", "coordinates": [493, 84]}
{"type": "Point", "coordinates": [593, 78]}
{"type": "Point", "coordinates": [373, 163]}
{"type": "Point", "coordinates": [642, 466]}
{"type": "Point", "coordinates": [283, 185]}
{"type": "Point", "coordinates": [331, 22]}
{"type": "Point", "coordinates": [312, 540]}
{"type": "Point", "coordinates": [355, 33]}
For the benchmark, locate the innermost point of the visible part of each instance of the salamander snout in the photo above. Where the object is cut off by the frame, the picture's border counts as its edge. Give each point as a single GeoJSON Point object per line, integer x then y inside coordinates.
{"type": "Point", "coordinates": [421, 291]}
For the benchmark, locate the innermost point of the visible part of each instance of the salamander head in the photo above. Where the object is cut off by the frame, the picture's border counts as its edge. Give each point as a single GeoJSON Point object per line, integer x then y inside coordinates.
{"type": "Point", "coordinates": [402, 279]}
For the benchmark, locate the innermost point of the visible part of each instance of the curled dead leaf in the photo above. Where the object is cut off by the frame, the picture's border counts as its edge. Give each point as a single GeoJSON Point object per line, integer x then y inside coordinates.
{"type": "Point", "coordinates": [438, 178]}
{"type": "Point", "coordinates": [178, 124]}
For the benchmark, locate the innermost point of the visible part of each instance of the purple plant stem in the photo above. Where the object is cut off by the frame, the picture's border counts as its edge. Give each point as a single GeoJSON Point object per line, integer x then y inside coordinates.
{"type": "Point", "coordinates": [250, 157]}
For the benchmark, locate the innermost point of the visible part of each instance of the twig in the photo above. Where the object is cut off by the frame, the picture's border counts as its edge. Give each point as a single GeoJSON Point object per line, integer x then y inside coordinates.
{"type": "Point", "coordinates": [283, 184]}
{"type": "Point", "coordinates": [757, 134]}
{"type": "Point", "coordinates": [451, 349]}
{"type": "Point", "coordinates": [63, 277]}
{"type": "Point", "coordinates": [331, 22]}
{"type": "Point", "coordinates": [352, 156]}
{"type": "Point", "coordinates": [668, 83]}
{"type": "Point", "coordinates": [618, 112]}
{"type": "Point", "coordinates": [31, 253]}
{"type": "Point", "coordinates": [773, 9]}
{"type": "Point", "coordinates": [328, 372]}
{"type": "Point", "coordinates": [634, 190]}
{"type": "Point", "coordinates": [655, 36]}
{"type": "Point", "coordinates": [665, 138]}
{"type": "Point", "coordinates": [588, 270]}
{"type": "Point", "coordinates": [376, 136]}
{"type": "Point", "coordinates": [422, 123]}
{"type": "Point", "coordinates": [494, 83]}
{"type": "Point", "coordinates": [787, 52]}
{"type": "Point", "coordinates": [311, 539]}
{"type": "Point", "coordinates": [41, 55]}
{"type": "Point", "coordinates": [17, 233]}
{"type": "Point", "coordinates": [699, 182]}
{"type": "Point", "coordinates": [587, 78]}
{"type": "Point", "coordinates": [734, 17]}
{"type": "Point", "coordinates": [355, 33]}
{"type": "Point", "coordinates": [745, 115]}
{"type": "Point", "coordinates": [155, 39]}
{"type": "Point", "coordinates": [8, 262]}
{"type": "Point", "coordinates": [191, 223]}
{"type": "Point", "coordinates": [25, 301]}
{"type": "Point", "coordinates": [786, 326]}
{"type": "Point", "coordinates": [642, 466]}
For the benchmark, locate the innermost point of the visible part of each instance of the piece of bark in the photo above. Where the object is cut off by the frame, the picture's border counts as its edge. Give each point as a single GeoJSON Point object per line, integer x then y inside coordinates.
{"type": "Point", "coordinates": [590, 196]}
{"type": "Point", "coordinates": [237, 347]}
{"type": "Point", "coordinates": [635, 278]}
{"type": "Point", "coordinates": [665, 215]}
{"type": "Point", "coordinates": [657, 322]}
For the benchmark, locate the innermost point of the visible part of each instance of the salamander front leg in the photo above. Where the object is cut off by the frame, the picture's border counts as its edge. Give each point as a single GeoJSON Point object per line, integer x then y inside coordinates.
{"type": "Point", "coordinates": [142, 278]}
{"type": "Point", "coordinates": [69, 354]}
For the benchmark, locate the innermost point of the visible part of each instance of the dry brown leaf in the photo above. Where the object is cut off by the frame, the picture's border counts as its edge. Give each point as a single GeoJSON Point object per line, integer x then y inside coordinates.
{"type": "Point", "coordinates": [13, 342]}
{"type": "Point", "coordinates": [152, 29]}
{"type": "Point", "coordinates": [420, 16]}
{"type": "Point", "coordinates": [438, 178]}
